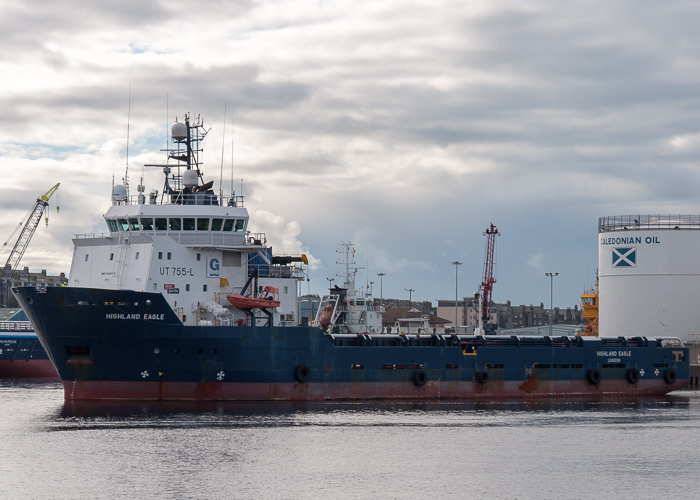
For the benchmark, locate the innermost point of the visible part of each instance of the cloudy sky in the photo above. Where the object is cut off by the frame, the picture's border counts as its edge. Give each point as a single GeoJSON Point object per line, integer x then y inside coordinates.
{"type": "Point", "coordinates": [406, 127]}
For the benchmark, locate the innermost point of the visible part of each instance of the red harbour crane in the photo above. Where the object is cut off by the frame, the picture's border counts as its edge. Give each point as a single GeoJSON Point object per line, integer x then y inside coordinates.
{"type": "Point", "coordinates": [489, 280]}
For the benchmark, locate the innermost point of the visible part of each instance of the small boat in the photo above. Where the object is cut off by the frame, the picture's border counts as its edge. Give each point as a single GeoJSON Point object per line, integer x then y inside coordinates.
{"type": "Point", "coordinates": [21, 354]}
{"type": "Point", "coordinates": [270, 299]}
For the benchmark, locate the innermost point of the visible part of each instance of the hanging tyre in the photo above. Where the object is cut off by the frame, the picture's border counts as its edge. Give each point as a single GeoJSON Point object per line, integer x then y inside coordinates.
{"type": "Point", "coordinates": [420, 378]}
{"type": "Point", "coordinates": [302, 373]}
{"type": "Point", "coordinates": [481, 377]}
{"type": "Point", "coordinates": [670, 376]}
{"type": "Point", "coordinates": [632, 375]}
{"type": "Point", "coordinates": [593, 376]}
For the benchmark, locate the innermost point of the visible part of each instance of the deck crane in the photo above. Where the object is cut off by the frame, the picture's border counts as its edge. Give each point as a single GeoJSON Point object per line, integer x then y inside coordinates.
{"type": "Point", "coordinates": [488, 281]}
{"type": "Point", "coordinates": [24, 237]}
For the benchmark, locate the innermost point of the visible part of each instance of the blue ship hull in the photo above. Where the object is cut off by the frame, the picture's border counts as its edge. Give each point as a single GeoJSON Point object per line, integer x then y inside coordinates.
{"type": "Point", "coordinates": [109, 344]}
{"type": "Point", "coordinates": [23, 357]}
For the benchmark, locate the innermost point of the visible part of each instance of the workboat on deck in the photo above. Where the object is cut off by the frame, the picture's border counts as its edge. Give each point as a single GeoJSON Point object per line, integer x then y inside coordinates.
{"type": "Point", "coordinates": [147, 315]}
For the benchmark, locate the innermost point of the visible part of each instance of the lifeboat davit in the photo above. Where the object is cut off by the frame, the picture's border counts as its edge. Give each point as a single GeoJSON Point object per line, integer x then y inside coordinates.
{"type": "Point", "coordinates": [270, 299]}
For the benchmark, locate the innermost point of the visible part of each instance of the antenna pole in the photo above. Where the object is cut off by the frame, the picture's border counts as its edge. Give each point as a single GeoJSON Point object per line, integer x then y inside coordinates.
{"type": "Point", "coordinates": [128, 125]}
{"type": "Point", "coordinates": [223, 141]}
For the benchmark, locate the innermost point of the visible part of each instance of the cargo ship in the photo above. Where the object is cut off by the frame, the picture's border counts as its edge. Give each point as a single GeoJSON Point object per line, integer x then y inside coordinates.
{"type": "Point", "coordinates": [148, 315]}
{"type": "Point", "coordinates": [21, 354]}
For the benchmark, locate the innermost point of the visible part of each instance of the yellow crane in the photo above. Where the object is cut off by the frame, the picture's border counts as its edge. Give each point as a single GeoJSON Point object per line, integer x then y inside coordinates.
{"type": "Point", "coordinates": [24, 237]}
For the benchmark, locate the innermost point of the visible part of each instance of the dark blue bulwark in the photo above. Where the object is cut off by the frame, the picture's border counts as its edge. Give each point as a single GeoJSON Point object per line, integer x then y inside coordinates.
{"type": "Point", "coordinates": [107, 335]}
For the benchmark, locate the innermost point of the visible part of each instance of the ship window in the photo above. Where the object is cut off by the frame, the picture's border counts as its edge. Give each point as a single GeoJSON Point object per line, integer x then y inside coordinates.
{"type": "Point", "coordinates": [170, 255]}
{"type": "Point", "coordinates": [137, 256]}
{"type": "Point", "coordinates": [175, 224]}
{"type": "Point", "coordinates": [216, 224]}
{"type": "Point", "coordinates": [187, 287]}
{"type": "Point", "coordinates": [160, 255]}
{"type": "Point", "coordinates": [147, 224]}
{"type": "Point", "coordinates": [188, 224]}
{"type": "Point", "coordinates": [204, 288]}
{"type": "Point", "coordinates": [111, 256]}
{"type": "Point", "coordinates": [161, 224]}
{"type": "Point", "coordinates": [240, 225]}
{"type": "Point", "coordinates": [123, 226]}
{"type": "Point", "coordinates": [112, 225]}
{"type": "Point", "coordinates": [134, 224]}
{"type": "Point", "coordinates": [286, 289]}
{"type": "Point", "coordinates": [228, 224]}
{"type": "Point", "coordinates": [202, 224]}
{"type": "Point", "coordinates": [199, 257]}
{"type": "Point", "coordinates": [155, 286]}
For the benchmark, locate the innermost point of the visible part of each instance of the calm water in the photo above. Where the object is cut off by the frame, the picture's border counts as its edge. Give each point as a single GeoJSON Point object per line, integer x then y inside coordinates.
{"type": "Point", "coordinates": [637, 450]}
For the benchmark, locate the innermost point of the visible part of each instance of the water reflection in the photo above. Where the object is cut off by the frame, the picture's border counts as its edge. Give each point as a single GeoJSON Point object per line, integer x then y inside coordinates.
{"type": "Point", "coordinates": [73, 415]}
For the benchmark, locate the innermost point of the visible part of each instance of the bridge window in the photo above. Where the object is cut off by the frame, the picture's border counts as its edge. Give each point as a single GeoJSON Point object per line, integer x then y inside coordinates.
{"type": "Point", "coordinates": [147, 224]}
{"type": "Point", "coordinates": [240, 225]}
{"type": "Point", "coordinates": [202, 224]}
{"type": "Point", "coordinates": [216, 224]}
{"type": "Point", "coordinates": [134, 224]}
{"type": "Point", "coordinates": [228, 224]}
{"type": "Point", "coordinates": [188, 224]}
{"type": "Point", "coordinates": [175, 224]}
{"type": "Point", "coordinates": [112, 225]}
{"type": "Point", "coordinates": [123, 226]}
{"type": "Point", "coordinates": [161, 224]}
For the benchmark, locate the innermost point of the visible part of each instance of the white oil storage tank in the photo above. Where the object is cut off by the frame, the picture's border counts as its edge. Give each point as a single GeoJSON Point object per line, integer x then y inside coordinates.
{"type": "Point", "coordinates": [649, 275]}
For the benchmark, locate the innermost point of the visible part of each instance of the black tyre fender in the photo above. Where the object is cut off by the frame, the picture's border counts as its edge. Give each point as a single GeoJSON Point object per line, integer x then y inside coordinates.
{"type": "Point", "coordinates": [670, 376]}
{"type": "Point", "coordinates": [481, 377]}
{"type": "Point", "coordinates": [420, 378]}
{"type": "Point", "coordinates": [302, 373]}
{"type": "Point", "coordinates": [593, 376]}
{"type": "Point", "coordinates": [632, 375]}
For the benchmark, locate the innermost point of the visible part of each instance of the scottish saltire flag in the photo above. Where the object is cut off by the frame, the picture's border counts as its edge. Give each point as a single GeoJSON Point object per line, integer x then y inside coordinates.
{"type": "Point", "coordinates": [624, 257]}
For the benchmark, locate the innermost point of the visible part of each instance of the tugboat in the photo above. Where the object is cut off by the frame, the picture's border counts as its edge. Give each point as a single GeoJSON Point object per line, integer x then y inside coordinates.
{"type": "Point", "coordinates": [152, 312]}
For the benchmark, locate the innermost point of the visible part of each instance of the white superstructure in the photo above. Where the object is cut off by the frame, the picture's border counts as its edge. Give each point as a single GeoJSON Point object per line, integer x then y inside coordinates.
{"type": "Point", "coordinates": [189, 245]}
{"type": "Point", "coordinates": [649, 275]}
{"type": "Point", "coordinates": [344, 310]}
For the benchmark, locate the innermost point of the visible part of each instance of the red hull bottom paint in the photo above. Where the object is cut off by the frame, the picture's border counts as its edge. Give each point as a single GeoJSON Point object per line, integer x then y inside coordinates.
{"type": "Point", "coordinates": [27, 369]}
{"type": "Point", "coordinates": [433, 390]}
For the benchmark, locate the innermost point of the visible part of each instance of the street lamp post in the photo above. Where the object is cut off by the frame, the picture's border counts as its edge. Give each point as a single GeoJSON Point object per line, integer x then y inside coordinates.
{"type": "Point", "coordinates": [456, 263]}
{"type": "Point", "coordinates": [410, 292]}
{"type": "Point", "coordinates": [381, 288]}
{"type": "Point", "coordinates": [551, 299]}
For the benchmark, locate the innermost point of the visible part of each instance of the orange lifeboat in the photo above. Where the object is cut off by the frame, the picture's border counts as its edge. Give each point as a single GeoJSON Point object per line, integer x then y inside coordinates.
{"type": "Point", "coordinates": [326, 315]}
{"type": "Point", "coordinates": [270, 299]}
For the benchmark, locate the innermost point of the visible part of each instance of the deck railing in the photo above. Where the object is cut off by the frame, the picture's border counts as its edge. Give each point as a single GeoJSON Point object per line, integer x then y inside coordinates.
{"type": "Point", "coordinates": [648, 222]}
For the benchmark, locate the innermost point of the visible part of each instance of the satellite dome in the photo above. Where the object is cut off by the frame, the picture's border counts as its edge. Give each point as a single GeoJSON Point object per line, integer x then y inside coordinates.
{"type": "Point", "coordinates": [119, 193]}
{"type": "Point", "coordinates": [179, 131]}
{"type": "Point", "coordinates": [189, 179]}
